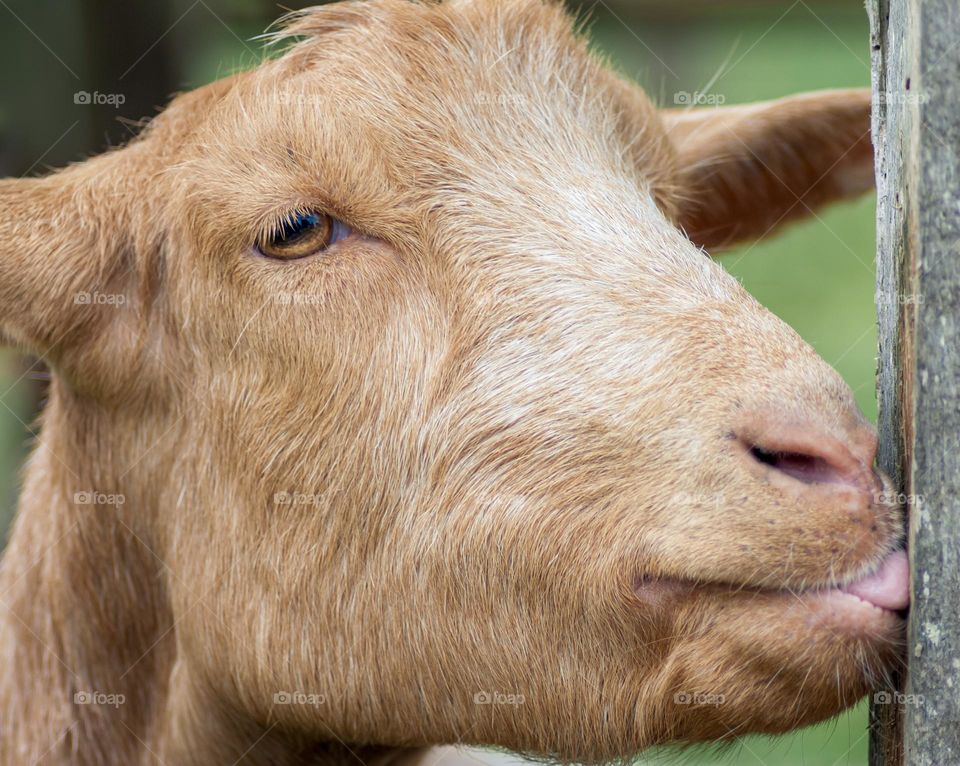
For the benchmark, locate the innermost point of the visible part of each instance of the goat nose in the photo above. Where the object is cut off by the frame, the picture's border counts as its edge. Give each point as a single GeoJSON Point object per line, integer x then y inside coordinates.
{"type": "Point", "coordinates": [810, 454]}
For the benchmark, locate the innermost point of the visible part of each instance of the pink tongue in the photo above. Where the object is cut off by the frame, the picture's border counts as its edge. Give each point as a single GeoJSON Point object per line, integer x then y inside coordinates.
{"type": "Point", "coordinates": [889, 586]}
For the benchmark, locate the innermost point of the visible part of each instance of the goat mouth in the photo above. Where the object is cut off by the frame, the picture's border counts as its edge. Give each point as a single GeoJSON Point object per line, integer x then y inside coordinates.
{"type": "Point", "coordinates": [887, 586]}
{"type": "Point", "coordinates": [883, 590]}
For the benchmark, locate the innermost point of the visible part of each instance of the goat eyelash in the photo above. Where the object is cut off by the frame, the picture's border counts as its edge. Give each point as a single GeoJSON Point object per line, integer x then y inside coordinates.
{"type": "Point", "coordinates": [277, 222]}
{"type": "Point", "coordinates": [301, 233]}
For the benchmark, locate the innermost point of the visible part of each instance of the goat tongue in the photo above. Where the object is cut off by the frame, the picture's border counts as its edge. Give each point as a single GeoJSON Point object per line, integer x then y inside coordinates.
{"type": "Point", "coordinates": [888, 587]}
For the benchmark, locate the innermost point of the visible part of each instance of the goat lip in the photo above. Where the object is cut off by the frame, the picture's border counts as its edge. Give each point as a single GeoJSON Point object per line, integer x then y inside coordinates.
{"type": "Point", "coordinates": [887, 587]}
{"type": "Point", "coordinates": [883, 592]}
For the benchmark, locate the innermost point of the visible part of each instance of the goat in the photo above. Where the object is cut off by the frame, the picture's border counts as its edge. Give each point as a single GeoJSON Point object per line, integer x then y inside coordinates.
{"type": "Point", "coordinates": [395, 404]}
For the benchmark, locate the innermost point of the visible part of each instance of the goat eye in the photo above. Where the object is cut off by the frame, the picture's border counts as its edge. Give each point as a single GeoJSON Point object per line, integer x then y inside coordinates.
{"type": "Point", "coordinates": [303, 234]}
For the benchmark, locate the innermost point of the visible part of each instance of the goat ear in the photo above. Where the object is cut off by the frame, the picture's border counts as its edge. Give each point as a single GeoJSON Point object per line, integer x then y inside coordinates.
{"type": "Point", "coordinates": [743, 171]}
{"type": "Point", "coordinates": [53, 256]}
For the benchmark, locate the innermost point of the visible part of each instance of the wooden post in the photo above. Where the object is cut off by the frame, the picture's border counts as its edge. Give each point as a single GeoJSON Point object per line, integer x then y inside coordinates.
{"type": "Point", "coordinates": [916, 125]}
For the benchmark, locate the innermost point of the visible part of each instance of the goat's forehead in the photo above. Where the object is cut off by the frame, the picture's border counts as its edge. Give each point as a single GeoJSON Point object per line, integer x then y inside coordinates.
{"type": "Point", "coordinates": [408, 94]}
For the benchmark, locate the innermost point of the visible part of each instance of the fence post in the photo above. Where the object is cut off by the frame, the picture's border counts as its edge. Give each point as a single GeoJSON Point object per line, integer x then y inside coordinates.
{"type": "Point", "coordinates": [916, 128]}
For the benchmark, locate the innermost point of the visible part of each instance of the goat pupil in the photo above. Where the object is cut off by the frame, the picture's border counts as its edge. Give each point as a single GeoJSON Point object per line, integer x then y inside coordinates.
{"type": "Point", "coordinates": [294, 228]}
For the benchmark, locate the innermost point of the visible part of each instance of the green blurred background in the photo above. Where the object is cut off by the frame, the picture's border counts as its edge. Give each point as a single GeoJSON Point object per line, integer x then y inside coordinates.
{"type": "Point", "coordinates": [818, 275]}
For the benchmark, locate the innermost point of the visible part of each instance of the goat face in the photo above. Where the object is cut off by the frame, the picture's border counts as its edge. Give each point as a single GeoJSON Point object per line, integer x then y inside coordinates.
{"type": "Point", "coordinates": [452, 407]}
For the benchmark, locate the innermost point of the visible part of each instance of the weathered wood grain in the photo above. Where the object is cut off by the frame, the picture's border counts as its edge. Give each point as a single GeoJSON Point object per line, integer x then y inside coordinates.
{"type": "Point", "coordinates": [916, 63]}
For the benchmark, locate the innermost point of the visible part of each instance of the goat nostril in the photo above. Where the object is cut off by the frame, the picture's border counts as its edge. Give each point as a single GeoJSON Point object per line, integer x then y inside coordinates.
{"type": "Point", "coordinates": [809, 469]}
{"type": "Point", "coordinates": [808, 453]}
